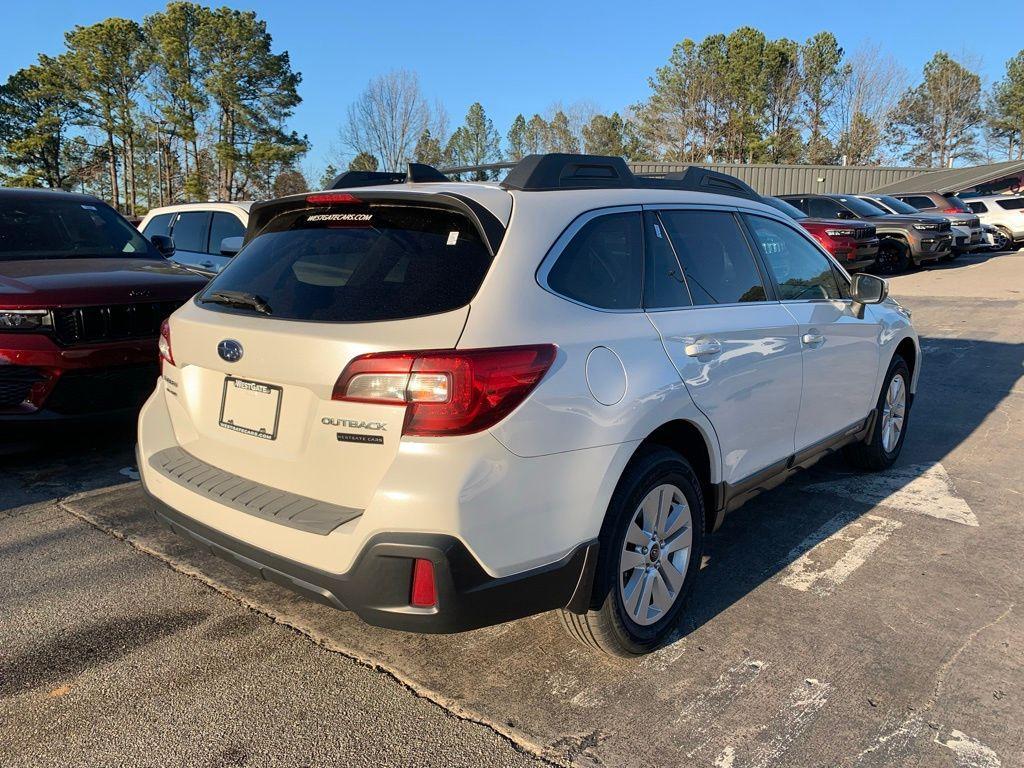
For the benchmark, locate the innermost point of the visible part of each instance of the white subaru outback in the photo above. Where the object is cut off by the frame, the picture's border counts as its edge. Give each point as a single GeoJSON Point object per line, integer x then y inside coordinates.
{"type": "Point", "coordinates": [447, 405]}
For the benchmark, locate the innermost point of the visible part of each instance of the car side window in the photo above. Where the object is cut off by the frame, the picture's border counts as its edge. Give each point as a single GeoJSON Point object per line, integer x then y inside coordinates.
{"type": "Point", "coordinates": [158, 225]}
{"type": "Point", "coordinates": [602, 265]}
{"type": "Point", "coordinates": [664, 285]}
{"type": "Point", "coordinates": [189, 231]}
{"type": "Point", "coordinates": [824, 208]}
{"type": "Point", "coordinates": [800, 270]}
{"type": "Point", "coordinates": [223, 225]}
{"type": "Point", "coordinates": [717, 263]}
{"type": "Point", "coordinates": [977, 207]}
{"type": "Point", "coordinates": [918, 201]}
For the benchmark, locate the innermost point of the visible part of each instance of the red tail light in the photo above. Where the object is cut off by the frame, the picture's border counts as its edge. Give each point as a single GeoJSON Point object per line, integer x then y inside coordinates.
{"type": "Point", "coordinates": [424, 591]}
{"type": "Point", "coordinates": [165, 342]}
{"type": "Point", "coordinates": [332, 198]}
{"type": "Point", "coordinates": [447, 392]}
{"type": "Point", "coordinates": [954, 209]}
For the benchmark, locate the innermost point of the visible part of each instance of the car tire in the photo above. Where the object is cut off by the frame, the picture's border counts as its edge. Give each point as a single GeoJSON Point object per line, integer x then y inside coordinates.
{"type": "Point", "coordinates": [893, 257]}
{"type": "Point", "coordinates": [1008, 244]}
{"type": "Point", "coordinates": [880, 449]}
{"type": "Point", "coordinates": [644, 574]}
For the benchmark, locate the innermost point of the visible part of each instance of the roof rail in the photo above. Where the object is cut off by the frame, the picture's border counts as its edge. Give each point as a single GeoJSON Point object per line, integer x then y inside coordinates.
{"type": "Point", "coordinates": [538, 173]}
{"type": "Point", "coordinates": [417, 173]}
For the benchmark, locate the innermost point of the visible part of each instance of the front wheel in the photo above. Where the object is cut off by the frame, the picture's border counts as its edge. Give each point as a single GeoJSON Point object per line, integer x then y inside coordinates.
{"type": "Point", "coordinates": [651, 546]}
{"type": "Point", "coordinates": [893, 257]}
{"type": "Point", "coordinates": [882, 447]}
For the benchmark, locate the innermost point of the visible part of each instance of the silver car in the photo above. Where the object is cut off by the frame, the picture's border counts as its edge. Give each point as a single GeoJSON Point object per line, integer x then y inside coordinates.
{"type": "Point", "coordinates": [1004, 212]}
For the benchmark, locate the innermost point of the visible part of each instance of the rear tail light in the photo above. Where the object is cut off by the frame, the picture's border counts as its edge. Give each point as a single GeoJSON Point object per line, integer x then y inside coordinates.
{"type": "Point", "coordinates": [954, 209]}
{"type": "Point", "coordinates": [165, 342]}
{"type": "Point", "coordinates": [424, 590]}
{"type": "Point", "coordinates": [447, 392]}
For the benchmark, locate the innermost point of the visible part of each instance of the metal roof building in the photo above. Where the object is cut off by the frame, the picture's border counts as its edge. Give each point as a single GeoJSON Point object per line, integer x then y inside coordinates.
{"type": "Point", "coordinates": [961, 179]}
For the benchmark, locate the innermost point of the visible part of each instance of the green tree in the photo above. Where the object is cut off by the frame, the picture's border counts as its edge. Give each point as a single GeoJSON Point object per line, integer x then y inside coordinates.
{"type": "Point", "coordinates": [329, 175]}
{"type": "Point", "coordinates": [1007, 121]}
{"type": "Point", "coordinates": [605, 135]}
{"type": "Point", "coordinates": [559, 135]}
{"type": "Point", "coordinates": [476, 142]}
{"type": "Point", "coordinates": [936, 123]}
{"type": "Point", "coordinates": [428, 149]}
{"type": "Point", "coordinates": [364, 161]}
{"type": "Point", "coordinates": [781, 78]}
{"type": "Point", "coordinates": [38, 107]}
{"type": "Point", "coordinates": [254, 91]}
{"type": "Point", "coordinates": [823, 76]}
{"type": "Point", "coordinates": [178, 92]}
{"type": "Point", "coordinates": [535, 137]}
{"type": "Point", "coordinates": [290, 181]}
{"type": "Point", "coordinates": [859, 143]}
{"type": "Point", "coordinates": [516, 139]}
{"type": "Point", "coordinates": [109, 62]}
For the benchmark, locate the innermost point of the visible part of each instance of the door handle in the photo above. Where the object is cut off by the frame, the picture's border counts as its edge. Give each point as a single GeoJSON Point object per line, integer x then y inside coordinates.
{"type": "Point", "coordinates": [812, 339]}
{"type": "Point", "coordinates": [705, 347]}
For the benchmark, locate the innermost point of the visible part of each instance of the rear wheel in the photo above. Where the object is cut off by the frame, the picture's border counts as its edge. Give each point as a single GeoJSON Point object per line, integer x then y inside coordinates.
{"type": "Point", "coordinates": [881, 449]}
{"type": "Point", "coordinates": [893, 257]}
{"type": "Point", "coordinates": [1007, 240]}
{"type": "Point", "coordinates": [652, 542]}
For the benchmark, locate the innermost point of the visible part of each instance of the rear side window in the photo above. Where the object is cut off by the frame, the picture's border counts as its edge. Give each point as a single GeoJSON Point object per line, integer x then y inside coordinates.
{"type": "Point", "coordinates": [978, 207]}
{"type": "Point", "coordinates": [602, 264]}
{"type": "Point", "coordinates": [367, 263]}
{"type": "Point", "coordinates": [664, 285]}
{"type": "Point", "coordinates": [717, 263]}
{"type": "Point", "coordinates": [224, 225]}
{"type": "Point", "coordinates": [1011, 205]}
{"type": "Point", "coordinates": [158, 225]}
{"type": "Point", "coordinates": [824, 208]}
{"type": "Point", "coordinates": [800, 270]}
{"type": "Point", "coordinates": [190, 231]}
{"type": "Point", "coordinates": [918, 201]}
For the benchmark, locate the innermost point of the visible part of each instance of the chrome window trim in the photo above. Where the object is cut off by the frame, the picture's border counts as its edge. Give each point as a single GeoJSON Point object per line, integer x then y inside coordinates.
{"type": "Point", "coordinates": [548, 262]}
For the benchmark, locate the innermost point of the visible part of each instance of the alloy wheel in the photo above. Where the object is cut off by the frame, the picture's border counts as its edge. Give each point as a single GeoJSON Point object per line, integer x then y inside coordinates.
{"type": "Point", "coordinates": [893, 413]}
{"type": "Point", "coordinates": [655, 554]}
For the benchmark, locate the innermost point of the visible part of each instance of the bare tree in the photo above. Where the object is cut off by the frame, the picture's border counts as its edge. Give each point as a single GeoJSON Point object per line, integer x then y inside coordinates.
{"type": "Point", "coordinates": [387, 119]}
{"type": "Point", "coordinates": [867, 98]}
{"type": "Point", "coordinates": [577, 115]}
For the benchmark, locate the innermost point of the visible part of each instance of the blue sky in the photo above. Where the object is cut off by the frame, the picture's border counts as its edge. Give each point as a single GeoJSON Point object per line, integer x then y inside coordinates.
{"type": "Point", "coordinates": [523, 56]}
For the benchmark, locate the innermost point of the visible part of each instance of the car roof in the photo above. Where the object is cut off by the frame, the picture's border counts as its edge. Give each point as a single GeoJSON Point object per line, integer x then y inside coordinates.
{"type": "Point", "coordinates": [217, 205]}
{"type": "Point", "coordinates": [27, 193]}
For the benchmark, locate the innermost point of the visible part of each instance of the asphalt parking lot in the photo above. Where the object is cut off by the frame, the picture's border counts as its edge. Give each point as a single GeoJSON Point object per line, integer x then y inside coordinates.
{"type": "Point", "coordinates": [843, 620]}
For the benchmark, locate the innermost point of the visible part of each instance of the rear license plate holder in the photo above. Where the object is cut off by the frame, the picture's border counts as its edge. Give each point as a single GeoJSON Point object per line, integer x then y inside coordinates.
{"type": "Point", "coordinates": [250, 407]}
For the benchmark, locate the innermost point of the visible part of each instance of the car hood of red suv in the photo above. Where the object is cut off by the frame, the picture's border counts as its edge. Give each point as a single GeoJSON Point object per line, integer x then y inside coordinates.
{"type": "Point", "coordinates": [72, 282]}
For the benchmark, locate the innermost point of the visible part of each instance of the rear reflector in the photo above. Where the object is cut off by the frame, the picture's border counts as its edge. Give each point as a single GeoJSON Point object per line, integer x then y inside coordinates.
{"type": "Point", "coordinates": [447, 392]}
{"type": "Point", "coordinates": [164, 344]}
{"type": "Point", "coordinates": [424, 592]}
{"type": "Point", "coordinates": [332, 198]}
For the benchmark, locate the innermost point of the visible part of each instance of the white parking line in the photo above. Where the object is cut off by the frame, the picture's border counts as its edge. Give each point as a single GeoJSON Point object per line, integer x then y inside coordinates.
{"type": "Point", "coordinates": [846, 541]}
{"type": "Point", "coordinates": [970, 753]}
{"type": "Point", "coordinates": [923, 489]}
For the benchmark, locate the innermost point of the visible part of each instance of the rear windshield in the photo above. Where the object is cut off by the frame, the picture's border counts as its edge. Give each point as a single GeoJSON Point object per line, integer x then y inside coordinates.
{"type": "Point", "coordinates": [35, 228]}
{"type": "Point", "coordinates": [358, 263]}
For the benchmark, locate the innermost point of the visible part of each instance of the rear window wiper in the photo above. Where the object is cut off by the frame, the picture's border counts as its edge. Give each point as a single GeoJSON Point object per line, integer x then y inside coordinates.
{"type": "Point", "coordinates": [238, 299]}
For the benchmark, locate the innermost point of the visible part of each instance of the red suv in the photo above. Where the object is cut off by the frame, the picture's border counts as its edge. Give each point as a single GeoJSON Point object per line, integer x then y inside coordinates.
{"type": "Point", "coordinates": [82, 297]}
{"type": "Point", "coordinates": [854, 244]}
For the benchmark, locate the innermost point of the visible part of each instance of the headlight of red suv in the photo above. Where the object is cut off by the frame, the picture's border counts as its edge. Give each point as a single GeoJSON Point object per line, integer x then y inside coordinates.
{"type": "Point", "coordinates": [25, 319]}
{"type": "Point", "coordinates": [840, 232]}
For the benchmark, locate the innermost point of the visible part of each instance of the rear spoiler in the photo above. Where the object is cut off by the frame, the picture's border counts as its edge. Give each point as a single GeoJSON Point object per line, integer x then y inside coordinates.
{"type": "Point", "coordinates": [417, 173]}
{"type": "Point", "coordinates": [491, 230]}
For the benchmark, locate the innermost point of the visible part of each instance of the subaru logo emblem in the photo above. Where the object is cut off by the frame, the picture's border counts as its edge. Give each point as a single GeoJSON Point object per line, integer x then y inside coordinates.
{"type": "Point", "coordinates": [230, 350]}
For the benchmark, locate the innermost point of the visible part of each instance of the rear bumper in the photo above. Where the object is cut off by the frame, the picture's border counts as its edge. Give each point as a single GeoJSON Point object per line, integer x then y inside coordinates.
{"type": "Point", "coordinates": [377, 586]}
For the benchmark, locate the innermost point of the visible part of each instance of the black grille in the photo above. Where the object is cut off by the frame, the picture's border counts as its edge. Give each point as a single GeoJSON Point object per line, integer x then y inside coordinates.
{"type": "Point", "coordinates": [864, 233]}
{"type": "Point", "coordinates": [15, 384]}
{"type": "Point", "coordinates": [104, 389]}
{"type": "Point", "coordinates": [86, 325]}
{"type": "Point", "coordinates": [944, 226]}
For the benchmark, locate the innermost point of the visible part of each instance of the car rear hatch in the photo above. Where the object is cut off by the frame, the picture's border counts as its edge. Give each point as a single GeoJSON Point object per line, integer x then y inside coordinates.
{"type": "Point", "coordinates": [324, 279]}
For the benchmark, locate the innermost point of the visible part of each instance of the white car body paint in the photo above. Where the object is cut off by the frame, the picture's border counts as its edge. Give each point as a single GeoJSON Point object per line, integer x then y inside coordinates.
{"type": "Point", "coordinates": [536, 485]}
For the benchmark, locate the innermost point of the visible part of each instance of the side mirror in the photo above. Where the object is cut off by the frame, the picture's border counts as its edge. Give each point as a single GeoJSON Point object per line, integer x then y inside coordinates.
{"type": "Point", "coordinates": [163, 244]}
{"type": "Point", "coordinates": [867, 289]}
{"type": "Point", "coordinates": [229, 246]}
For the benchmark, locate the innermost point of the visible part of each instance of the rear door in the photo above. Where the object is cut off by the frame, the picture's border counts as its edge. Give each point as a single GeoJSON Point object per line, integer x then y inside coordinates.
{"type": "Point", "coordinates": [254, 386]}
{"type": "Point", "coordinates": [735, 347]}
{"type": "Point", "coordinates": [840, 350]}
